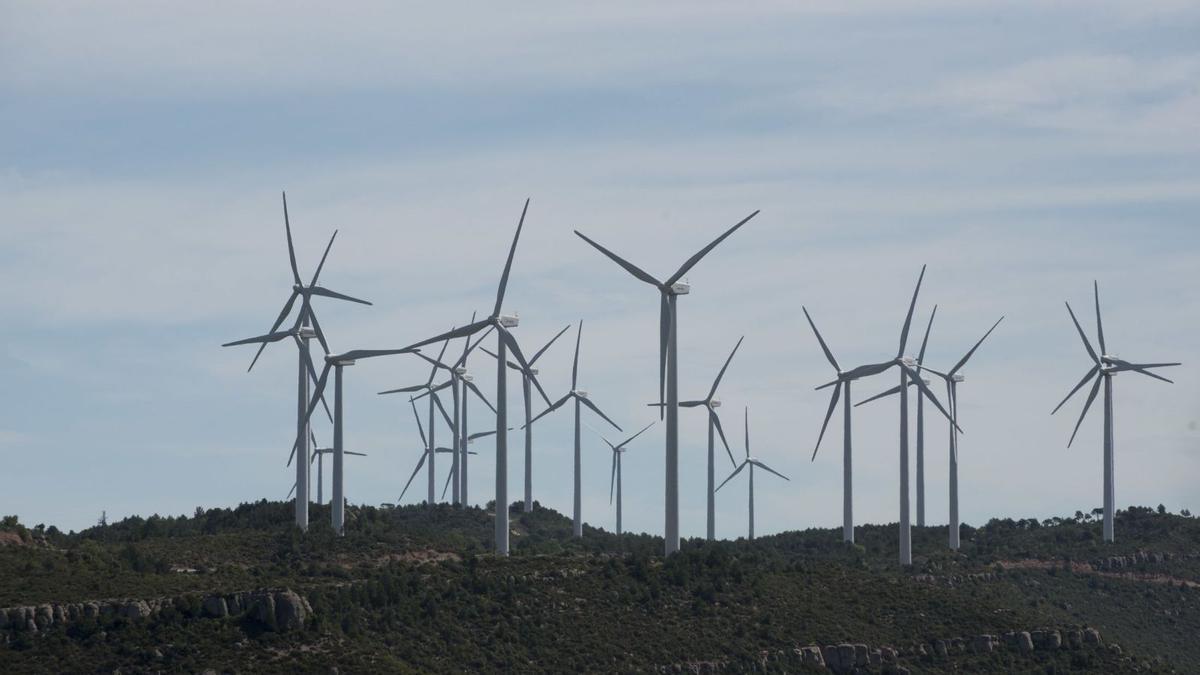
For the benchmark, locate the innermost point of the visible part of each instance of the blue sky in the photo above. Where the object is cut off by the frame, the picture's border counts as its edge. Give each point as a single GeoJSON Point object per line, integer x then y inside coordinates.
{"type": "Point", "coordinates": [1021, 150]}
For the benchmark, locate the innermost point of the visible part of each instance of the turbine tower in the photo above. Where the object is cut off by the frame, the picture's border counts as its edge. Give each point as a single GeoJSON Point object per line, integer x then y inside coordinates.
{"type": "Point", "coordinates": [527, 393]}
{"type": "Point", "coordinates": [841, 390]}
{"type": "Point", "coordinates": [336, 363]}
{"type": "Point", "coordinates": [750, 462]}
{"type": "Point", "coordinates": [952, 378]}
{"type": "Point", "coordinates": [668, 375]}
{"type": "Point", "coordinates": [711, 403]}
{"type": "Point", "coordinates": [581, 399]}
{"type": "Point", "coordinates": [460, 382]}
{"type": "Point", "coordinates": [1106, 367]}
{"type": "Point", "coordinates": [614, 480]}
{"type": "Point", "coordinates": [505, 341]}
{"type": "Point", "coordinates": [304, 329]}
{"type": "Point", "coordinates": [428, 387]}
{"type": "Point", "coordinates": [908, 373]}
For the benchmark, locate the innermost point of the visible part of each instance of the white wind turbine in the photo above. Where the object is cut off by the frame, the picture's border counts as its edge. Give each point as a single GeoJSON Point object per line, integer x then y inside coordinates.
{"type": "Point", "coordinates": [581, 399]}
{"type": "Point", "coordinates": [750, 462]}
{"type": "Point", "coordinates": [614, 482]}
{"type": "Point", "coordinates": [1105, 369]}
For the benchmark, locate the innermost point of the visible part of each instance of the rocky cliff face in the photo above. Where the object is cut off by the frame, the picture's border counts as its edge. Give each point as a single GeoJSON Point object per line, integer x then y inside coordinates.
{"type": "Point", "coordinates": [277, 609]}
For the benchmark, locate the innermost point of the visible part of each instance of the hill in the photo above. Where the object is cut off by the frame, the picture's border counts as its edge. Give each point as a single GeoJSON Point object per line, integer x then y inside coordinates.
{"type": "Point", "coordinates": [414, 589]}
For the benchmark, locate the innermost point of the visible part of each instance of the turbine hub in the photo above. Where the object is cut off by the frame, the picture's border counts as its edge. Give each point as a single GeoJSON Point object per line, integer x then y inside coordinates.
{"type": "Point", "coordinates": [681, 288]}
{"type": "Point", "coordinates": [509, 320]}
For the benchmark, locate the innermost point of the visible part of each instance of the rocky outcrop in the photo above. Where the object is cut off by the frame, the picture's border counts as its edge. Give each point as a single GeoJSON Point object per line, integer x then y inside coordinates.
{"type": "Point", "coordinates": [278, 609]}
{"type": "Point", "coordinates": [1128, 562]}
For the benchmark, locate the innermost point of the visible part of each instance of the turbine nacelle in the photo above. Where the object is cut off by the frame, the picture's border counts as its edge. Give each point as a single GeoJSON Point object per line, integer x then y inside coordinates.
{"type": "Point", "coordinates": [581, 393]}
{"type": "Point", "coordinates": [714, 403]}
{"type": "Point", "coordinates": [533, 371]}
{"type": "Point", "coordinates": [681, 288]}
{"type": "Point", "coordinates": [306, 333]}
{"type": "Point", "coordinates": [908, 361]}
{"type": "Point", "coordinates": [958, 377]}
{"type": "Point", "coordinates": [509, 320]}
{"type": "Point", "coordinates": [460, 370]}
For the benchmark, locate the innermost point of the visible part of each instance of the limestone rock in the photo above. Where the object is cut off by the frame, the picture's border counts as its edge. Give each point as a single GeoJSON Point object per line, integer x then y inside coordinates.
{"type": "Point", "coordinates": [1024, 642]}
{"type": "Point", "coordinates": [214, 606]}
{"type": "Point", "coordinates": [44, 616]}
{"type": "Point", "coordinates": [290, 610]}
{"type": "Point", "coordinates": [982, 644]}
{"type": "Point", "coordinates": [861, 655]}
{"type": "Point", "coordinates": [1091, 636]}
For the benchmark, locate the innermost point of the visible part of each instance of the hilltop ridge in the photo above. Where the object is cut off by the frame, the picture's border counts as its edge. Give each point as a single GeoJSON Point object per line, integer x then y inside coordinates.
{"type": "Point", "coordinates": [414, 588]}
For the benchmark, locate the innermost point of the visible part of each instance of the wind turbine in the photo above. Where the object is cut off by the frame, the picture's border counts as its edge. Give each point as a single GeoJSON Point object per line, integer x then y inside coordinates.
{"type": "Point", "coordinates": [460, 382]}
{"type": "Point", "coordinates": [711, 403]}
{"type": "Point", "coordinates": [336, 363]}
{"type": "Point", "coordinates": [427, 454]}
{"type": "Point", "coordinates": [505, 341]}
{"type": "Point", "coordinates": [527, 392]}
{"type": "Point", "coordinates": [750, 462]}
{"type": "Point", "coordinates": [581, 398]}
{"type": "Point", "coordinates": [318, 455]}
{"type": "Point", "coordinates": [952, 378]}
{"type": "Point", "coordinates": [615, 479]}
{"type": "Point", "coordinates": [668, 375]}
{"type": "Point", "coordinates": [841, 390]}
{"type": "Point", "coordinates": [434, 401]}
{"type": "Point", "coordinates": [1106, 367]}
{"type": "Point", "coordinates": [304, 329]}
{"type": "Point", "coordinates": [908, 373]}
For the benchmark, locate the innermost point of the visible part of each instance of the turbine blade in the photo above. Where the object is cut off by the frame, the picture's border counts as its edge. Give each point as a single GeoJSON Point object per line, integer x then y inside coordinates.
{"type": "Point", "coordinates": [287, 309]}
{"type": "Point", "coordinates": [469, 329]}
{"type": "Point", "coordinates": [287, 226]}
{"type": "Point", "coordinates": [575, 365]}
{"type": "Point", "coordinates": [747, 432]}
{"type": "Point", "coordinates": [482, 434]}
{"type": "Point", "coordinates": [480, 396]}
{"type": "Point", "coordinates": [319, 290]}
{"type": "Point", "coordinates": [449, 476]}
{"type": "Point", "coordinates": [434, 362]}
{"type": "Point", "coordinates": [263, 339]}
{"type": "Point", "coordinates": [470, 346]}
{"type": "Point", "coordinates": [717, 382]}
{"type": "Point", "coordinates": [1091, 397]}
{"type": "Point", "coordinates": [825, 348]}
{"type": "Point", "coordinates": [541, 351]}
{"type": "Point", "coordinates": [629, 440]}
{"type": "Point", "coordinates": [716, 420]}
{"type": "Point", "coordinates": [417, 470]}
{"type": "Point", "coordinates": [553, 406]}
{"type": "Point", "coordinates": [520, 357]}
{"type": "Point", "coordinates": [691, 262]}
{"type": "Point", "coordinates": [925, 340]}
{"type": "Point", "coordinates": [358, 454]}
{"type": "Point", "coordinates": [438, 401]}
{"type": "Point", "coordinates": [493, 355]}
{"type": "Point", "coordinates": [908, 317]}
{"type": "Point", "coordinates": [321, 265]}
{"type": "Point", "coordinates": [963, 361]}
{"type": "Point", "coordinates": [1090, 374]}
{"type": "Point", "coordinates": [356, 354]}
{"type": "Point", "coordinates": [833, 401]}
{"type": "Point", "coordinates": [735, 472]}
{"type": "Point", "coordinates": [625, 264]}
{"type": "Point", "coordinates": [424, 441]}
{"type": "Point", "coordinates": [1099, 323]}
{"type": "Point", "coordinates": [290, 492]}
{"type": "Point", "coordinates": [915, 377]}
{"type": "Point", "coordinates": [595, 409]}
{"type": "Point", "coordinates": [1147, 373]}
{"type": "Point", "coordinates": [316, 326]}
{"type": "Point", "coordinates": [312, 373]}
{"type": "Point", "coordinates": [890, 392]}
{"type": "Point", "coordinates": [1086, 343]}
{"type": "Point", "coordinates": [868, 370]}
{"type": "Point", "coordinates": [760, 465]}
{"type": "Point", "coordinates": [404, 390]}
{"type": "Point", "coordinates": [508, 264]}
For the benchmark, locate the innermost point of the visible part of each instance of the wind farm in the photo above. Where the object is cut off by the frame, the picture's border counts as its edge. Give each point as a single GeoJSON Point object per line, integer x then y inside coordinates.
{"type": "Point", "coordinates": [323, 327]}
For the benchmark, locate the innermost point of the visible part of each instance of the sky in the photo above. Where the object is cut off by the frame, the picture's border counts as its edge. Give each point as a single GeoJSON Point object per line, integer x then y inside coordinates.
{"type": "Point", "coordinates": [1021, 150]}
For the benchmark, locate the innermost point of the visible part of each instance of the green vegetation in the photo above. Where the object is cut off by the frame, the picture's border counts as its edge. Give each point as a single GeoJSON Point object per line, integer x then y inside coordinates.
{"type": "Point", "coordinates": [414, 589]}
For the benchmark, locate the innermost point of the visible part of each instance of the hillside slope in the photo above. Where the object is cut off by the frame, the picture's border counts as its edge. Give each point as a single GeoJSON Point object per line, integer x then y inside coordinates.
{"type": "Point", "coordinates": [413, 589]}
